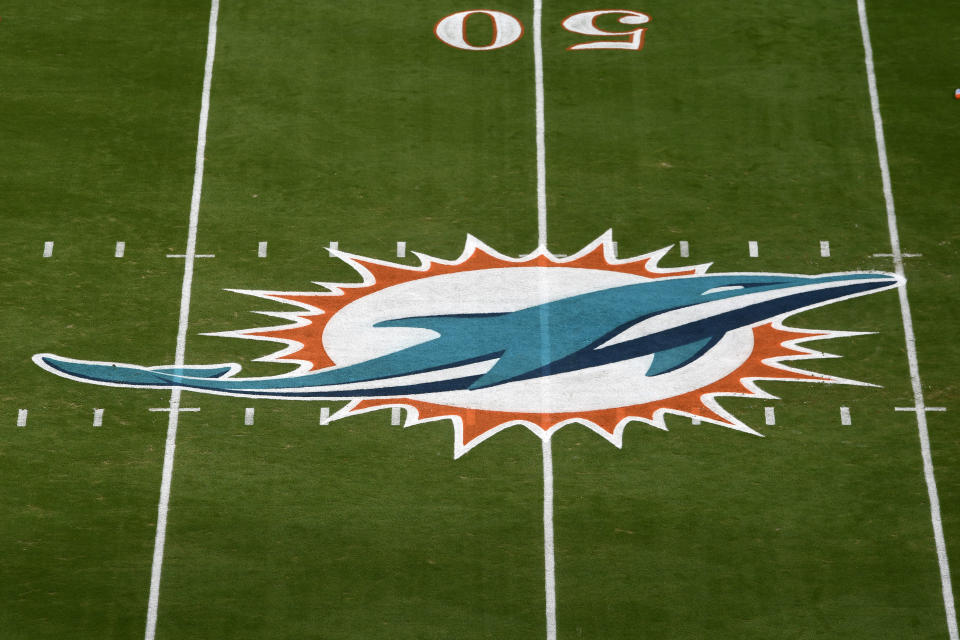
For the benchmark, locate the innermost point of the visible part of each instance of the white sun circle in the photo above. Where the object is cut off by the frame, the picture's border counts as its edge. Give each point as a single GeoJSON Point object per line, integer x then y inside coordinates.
{"type": "Point", "coordinates": [351, 337]}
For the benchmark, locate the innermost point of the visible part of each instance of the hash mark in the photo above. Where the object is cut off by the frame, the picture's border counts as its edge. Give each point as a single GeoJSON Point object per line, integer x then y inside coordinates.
{"type": "Point", "coordinates": [120, 249]}
{"type": "Point", "coordinates": [902, 255]}
{"type": "Point", "coordinates": [262, 250]}
{"type": "Point", "coordinates": [98, 417]}
{"type": "Point", "coordinates": [753, 248]}
{"type": "Point", "coordinates": [396, 416]}
{"type": "Point", "coordinates": [845, 416]}
{"type": "Point", "coordinates": [401, 249]}
{"type": "Point", "coordinates": [684, 249]}
{"type": "Point", "coordinates": [769, 417]}
{"type": "Point", "coordinates": [22, 418]}
{"type": "Point", "coordinates": [248, 417]}
{"type": "Point", "coordinates": [48, 249]}
{"type": "Point", "coordinates": [824, 248]}
{"type": "Point", "coordinates": [324, 415]}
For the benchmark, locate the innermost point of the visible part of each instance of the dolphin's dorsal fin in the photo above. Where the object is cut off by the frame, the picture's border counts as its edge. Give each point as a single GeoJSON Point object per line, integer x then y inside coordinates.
{"type": "Point", "coordinates": [676, 357]}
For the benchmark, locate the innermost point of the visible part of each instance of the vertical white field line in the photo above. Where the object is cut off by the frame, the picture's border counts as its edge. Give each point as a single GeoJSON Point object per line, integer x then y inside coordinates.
{"type": "Point", "coordinates": [185, 291]}
{"type": "Point", "coordinates": [550, 580]}
{"type": "Point", "coordinates": [548, 551]}
{"type": "Point", "coordinates": [541, 127]}
{"type": "Point", "coordinates": [919, 405]}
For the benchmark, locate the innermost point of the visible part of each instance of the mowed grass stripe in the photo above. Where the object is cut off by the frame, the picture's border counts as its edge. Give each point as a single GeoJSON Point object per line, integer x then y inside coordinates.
{"type": "Point", "coordinates": [98, 131]}
{"type": "Point", "coordinates": [363, 132]}
{"type": "Point", "coordinates": [730, 127]}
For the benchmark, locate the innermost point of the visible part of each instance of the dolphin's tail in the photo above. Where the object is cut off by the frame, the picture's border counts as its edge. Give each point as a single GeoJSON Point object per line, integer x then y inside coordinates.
{"type": "Point", "coordinates": [130, 375]}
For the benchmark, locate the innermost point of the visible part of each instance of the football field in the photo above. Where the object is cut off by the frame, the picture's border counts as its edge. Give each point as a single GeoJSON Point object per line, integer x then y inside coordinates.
{"type": "Point", "coordinates": [354, 184]}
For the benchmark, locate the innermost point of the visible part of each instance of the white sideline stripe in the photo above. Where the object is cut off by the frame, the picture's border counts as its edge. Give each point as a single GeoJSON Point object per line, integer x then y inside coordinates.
{"type": "Point", "coordinates": [170, 446]}
{"type": "Point", "coordinates": [401, 249]}
{"type": "Point", "coordinates": [119, 249]}
{"type": "Point", "coordinates": [769, 416]}
{"type": "Point", "coordinates": [541, 127]}
{"type": "Point", "coordinates": [845, 416]}
{"type": "Point", "coordinates": [935, 518]}
{"type": "Point", "coordinates": [22, 417]}
{"type": "Point", "coordinates": [324, 415]}
{"type": "Point", "coordinates": [47, 249]}
{"type": "Point", "coordinates": [248, 417]}
{"type": "Point", "coordinates": [396, 416]}
{"type": "Point", "coordinates": [684, 249]}
{"type": "Point", "coordinates": [549, 560]}
{"type": "Point", "coordinates": [262, 250]}
{"type": "Point", "coordinates": [98, 417]}
{"type": "Point", "coordinates": [753, 248]}
{"type": "Point", "coordinates": [824, 248]}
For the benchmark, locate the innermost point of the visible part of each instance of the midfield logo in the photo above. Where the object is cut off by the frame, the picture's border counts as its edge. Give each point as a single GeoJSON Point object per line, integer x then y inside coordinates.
{"type": "Point", "coordinates": [489, 341]}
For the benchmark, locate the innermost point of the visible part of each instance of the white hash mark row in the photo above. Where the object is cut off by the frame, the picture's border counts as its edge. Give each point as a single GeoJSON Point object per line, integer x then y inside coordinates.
{"type": "Point", "coordinates": [753, 250]}
{"type": "Point", "coordinates": [396, 415]}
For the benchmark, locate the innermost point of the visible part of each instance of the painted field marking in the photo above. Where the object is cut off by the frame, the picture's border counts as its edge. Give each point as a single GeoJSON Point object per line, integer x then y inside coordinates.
{"type": "Point", "coordinates": [549, 561]}
{"type": "Point", "coordinates": [615, 248]}
{"type": "Point", "coordinates": [769, 416]}
{"type": "Point", "coordinates": [753, 248]}
{"type": "Point", "coordinates": [695, 420]}
{"type": "Point", "coordinates": [926, 455]}
{"type": "Point", "coordinates": [120, 249]}
{"type": "Point", "coordinates": [191, 257]}
{"type": "Point", "coordinates": [684, 249]}
{"type": "Point", "coordinates": [549, 556]}
{"type": "Point", "coordinates": [170, 446]}
{"type": "Point", "coordinates": [401, 249]}
{"type": "Point", "coordinates": [916, 409]}
{"type": "Point", "coordinates": [396, 416]}
{"type": "Point", "coordinates": [173, 409]}
{"type": "Point", "coordinates": [47, 248]}
{"type": "Point", "coordinates": [262, 250]}
{"type": "Point", "coordinates": [902, 255]}
{"type": "Point", "coordinates": [98, 417]}
{"type": "Point", "coordinates": [334, 246]}
{"type": "Point", "coordinates": [22, 417]}
{"type": "Point", "coordinates": [824, 248]}
{"type": "Point", "coordinates": [324, 415]}
{"type": "Point", "coordinates": [248, 417]}
{"type": "Point", "coordinates": [540, 126]}
{"type": "Point", "coordinates": [845, 416]}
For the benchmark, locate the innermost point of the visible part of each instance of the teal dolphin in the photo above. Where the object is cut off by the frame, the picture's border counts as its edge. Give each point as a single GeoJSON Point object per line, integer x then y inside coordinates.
{"type": "Point", "coordinates": [676, 320]}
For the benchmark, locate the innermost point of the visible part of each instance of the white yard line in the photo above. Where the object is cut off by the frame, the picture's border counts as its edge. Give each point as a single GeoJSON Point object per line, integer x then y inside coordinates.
{"type": "Point", "coordinates": [550, 579]}
{"type": "Point", "coordinates": [548, 554]}
{"type": "Point", "coordinates": [920, 408]}
{"type": "Point", "coordinates": [541, 127]}
{"type": "Point", "coordinates": [185, 291]}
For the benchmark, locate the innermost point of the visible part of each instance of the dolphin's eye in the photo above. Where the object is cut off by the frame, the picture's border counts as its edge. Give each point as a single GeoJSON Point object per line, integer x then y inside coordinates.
{"type": "Point", "coordinates": [734, 287]}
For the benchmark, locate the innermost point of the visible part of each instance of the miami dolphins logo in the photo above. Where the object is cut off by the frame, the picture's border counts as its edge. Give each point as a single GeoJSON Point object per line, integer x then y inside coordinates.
{"type": "Point", "coordinates": [489, 341]}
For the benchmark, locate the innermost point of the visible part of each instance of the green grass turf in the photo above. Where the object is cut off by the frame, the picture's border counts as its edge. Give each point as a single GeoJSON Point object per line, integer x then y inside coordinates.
{"type": "Point", "coordinates": [354, 124]}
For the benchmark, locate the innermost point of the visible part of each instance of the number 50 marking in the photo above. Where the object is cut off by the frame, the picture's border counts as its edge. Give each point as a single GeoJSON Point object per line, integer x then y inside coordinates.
{"type": "Point", "coordinates": [506, 29]}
